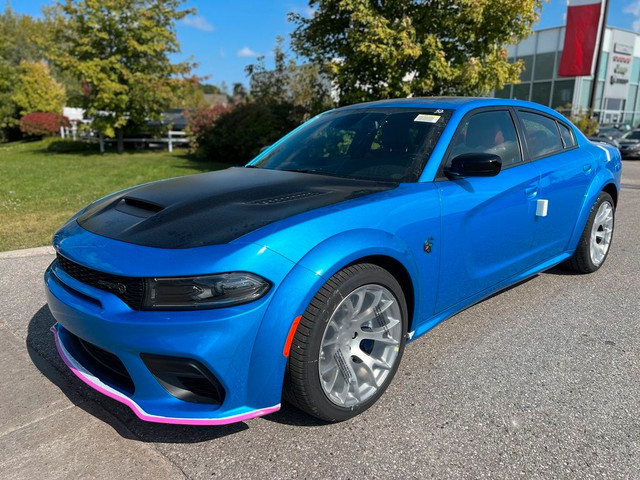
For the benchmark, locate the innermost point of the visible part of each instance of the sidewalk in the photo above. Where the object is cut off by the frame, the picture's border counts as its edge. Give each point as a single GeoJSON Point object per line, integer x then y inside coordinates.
{"type": "Point", "coordinates": [43, 432]}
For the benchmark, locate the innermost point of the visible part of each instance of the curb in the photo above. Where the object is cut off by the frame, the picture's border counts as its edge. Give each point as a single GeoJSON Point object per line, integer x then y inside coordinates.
{"type": "Point", "coordinates": [28, 252]}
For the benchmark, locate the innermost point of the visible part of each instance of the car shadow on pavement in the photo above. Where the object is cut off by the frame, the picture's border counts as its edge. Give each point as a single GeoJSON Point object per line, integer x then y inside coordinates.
{"type": "Point", "coordinates": [560, 270]}
{"type": "Point", "coordinates": [44, 355]}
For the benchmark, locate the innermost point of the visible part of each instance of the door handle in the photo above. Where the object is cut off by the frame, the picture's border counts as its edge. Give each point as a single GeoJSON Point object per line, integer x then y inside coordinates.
{"type": "Point", "coordinates": [587, 169]}
{"type": "Point", "coordinates": [531, 191]}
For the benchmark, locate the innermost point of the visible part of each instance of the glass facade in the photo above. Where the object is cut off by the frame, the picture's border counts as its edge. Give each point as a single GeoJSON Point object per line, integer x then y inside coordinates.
{"type": "Point", "coordinates": [540, 83]}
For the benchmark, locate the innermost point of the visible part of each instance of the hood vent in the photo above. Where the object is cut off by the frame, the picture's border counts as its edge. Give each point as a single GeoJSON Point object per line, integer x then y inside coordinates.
{"type": "Point", "coordinates": [284, 198]}
{"type": "Point", "coordinates": [138, 208]}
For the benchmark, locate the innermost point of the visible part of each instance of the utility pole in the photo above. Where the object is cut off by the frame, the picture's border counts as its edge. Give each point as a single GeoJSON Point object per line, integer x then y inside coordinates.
{"type": "Point", "coordinates": [596, 73]}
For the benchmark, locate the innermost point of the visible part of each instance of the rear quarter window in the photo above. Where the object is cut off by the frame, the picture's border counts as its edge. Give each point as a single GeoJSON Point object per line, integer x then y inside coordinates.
{"type": "Point", "coordinates": [567, 136]}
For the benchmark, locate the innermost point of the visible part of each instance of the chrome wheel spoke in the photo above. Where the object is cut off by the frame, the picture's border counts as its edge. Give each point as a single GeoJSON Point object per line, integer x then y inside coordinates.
{"type": "Point", "coordinates": [360, 345]}
{"type": "Point", "coordinates": [379, 336]}
{"type": "Point", "coordinates": [601, 233]}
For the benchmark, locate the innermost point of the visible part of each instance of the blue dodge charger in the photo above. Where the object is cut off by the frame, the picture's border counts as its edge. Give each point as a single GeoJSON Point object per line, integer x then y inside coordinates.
{"type": "Point", "coordinates": [211, 298]}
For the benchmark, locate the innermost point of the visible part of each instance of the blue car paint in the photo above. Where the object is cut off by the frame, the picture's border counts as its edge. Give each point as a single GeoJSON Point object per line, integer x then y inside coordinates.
{"type": "Point", "coordinates": [243, 345]}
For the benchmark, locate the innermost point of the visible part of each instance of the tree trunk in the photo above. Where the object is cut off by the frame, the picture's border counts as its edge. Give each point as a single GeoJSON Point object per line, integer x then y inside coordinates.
{"type": "Point", "coordinates": [120, 136]}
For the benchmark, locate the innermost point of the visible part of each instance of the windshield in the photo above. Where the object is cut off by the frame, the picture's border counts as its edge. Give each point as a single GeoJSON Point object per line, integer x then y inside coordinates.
{"type": "Point", "coordinates": [387, 144]}
{"type": "Point", "coordinates": [633, 135]}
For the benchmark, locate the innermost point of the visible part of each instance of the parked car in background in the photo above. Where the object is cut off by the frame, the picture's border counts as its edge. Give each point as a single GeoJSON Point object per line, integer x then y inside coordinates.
{"type": "Point", "coordinates": [607, 140]}
{"type": "Point", "coordinates": [609, 132]}
{"type": "Point", "coordinates": [208, 299]}
{"type": "Point", "coordinates": [630, 144]}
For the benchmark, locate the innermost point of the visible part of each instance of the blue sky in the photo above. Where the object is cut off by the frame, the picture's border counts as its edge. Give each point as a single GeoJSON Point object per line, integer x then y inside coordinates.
{"type": "Point", "coordinates": [226, 35]}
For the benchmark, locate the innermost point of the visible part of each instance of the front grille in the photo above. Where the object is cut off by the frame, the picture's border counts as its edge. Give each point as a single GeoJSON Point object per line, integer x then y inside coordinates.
{"type": "Point", "coordinates": [129, 289]}
{"type": "Point", "coordinates": [105, 365]}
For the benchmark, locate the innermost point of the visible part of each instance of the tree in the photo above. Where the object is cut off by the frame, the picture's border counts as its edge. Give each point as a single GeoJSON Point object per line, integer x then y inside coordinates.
{"type": "Point", "coordinates": [188, 93]}
{"type": "Point", "coordinates": [121, 50]}
{"type": "Point", "coordinates": [37, 91]}
{"type": "Point", "coordinates": [16, 45]}
{"type": "Point", "coordinates": [377, 49]}
{"type": "Point", "coordinates": [303, 86]}
{"type": "Point", "coordinates": [207, 88]}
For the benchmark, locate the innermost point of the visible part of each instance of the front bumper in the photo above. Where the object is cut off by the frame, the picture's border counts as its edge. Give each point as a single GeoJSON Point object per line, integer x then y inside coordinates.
{"type": "Point", "coordinates": [222, 340]}
{"type": "Point", "coordinates": [94, 382]}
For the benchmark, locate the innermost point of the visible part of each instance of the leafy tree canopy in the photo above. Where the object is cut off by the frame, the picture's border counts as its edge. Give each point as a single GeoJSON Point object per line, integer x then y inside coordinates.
{"type": "Point", "coordinates": [396, 48]}
{"type": "Point", "coordinates": [303, 86]}
{"type": "Point", "coordinates": [16, 45]}
{"type": "Point", "coordinates": [120, 49]}
{"type": "Point", "coordinates": [37, 91]}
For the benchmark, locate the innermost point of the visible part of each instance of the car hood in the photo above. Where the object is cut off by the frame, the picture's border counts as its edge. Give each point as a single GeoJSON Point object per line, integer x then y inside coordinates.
{"type": "Point", "coordinates": [216, 207]}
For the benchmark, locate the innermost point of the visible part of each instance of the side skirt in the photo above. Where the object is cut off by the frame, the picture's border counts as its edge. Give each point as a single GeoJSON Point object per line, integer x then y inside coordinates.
{"type": "Point", "coordinates": [463, 305]}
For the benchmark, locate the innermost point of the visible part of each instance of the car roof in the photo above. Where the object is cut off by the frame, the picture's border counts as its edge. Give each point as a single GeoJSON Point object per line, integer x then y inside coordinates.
{"type": "Point", "coordinates": [452, 103]}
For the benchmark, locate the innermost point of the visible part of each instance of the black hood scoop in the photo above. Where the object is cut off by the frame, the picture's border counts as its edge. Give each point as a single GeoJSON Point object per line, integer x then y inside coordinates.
{"type": "Point", "coordinates": [217, 207]}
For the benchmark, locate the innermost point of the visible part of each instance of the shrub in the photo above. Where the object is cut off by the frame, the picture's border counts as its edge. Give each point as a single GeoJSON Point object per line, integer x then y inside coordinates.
{"type": "Point", "coordinates": [200, 124]}
{"type": "Point", "coordinates": [39, 124]}
{"type": "Point", "coordinates": [237, 135]}
{"type": "Point", "coordinates": [71, 146]}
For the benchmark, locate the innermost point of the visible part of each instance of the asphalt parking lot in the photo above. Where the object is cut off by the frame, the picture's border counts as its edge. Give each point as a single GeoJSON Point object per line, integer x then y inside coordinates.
{"type": "Point", "coordinates": [541, 381]}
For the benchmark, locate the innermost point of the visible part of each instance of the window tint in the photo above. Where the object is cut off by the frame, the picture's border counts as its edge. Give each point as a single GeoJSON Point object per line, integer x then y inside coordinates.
{"type": "Point", "coordinates": [567, 136]}
{"type": "Point", "coordinates": [488, 132]}
{"type": "Point", "coordinates": [541, 133]}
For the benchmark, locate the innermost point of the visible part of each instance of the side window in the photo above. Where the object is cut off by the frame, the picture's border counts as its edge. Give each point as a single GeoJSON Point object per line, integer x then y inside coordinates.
{"type": "Point", "coordinates": [567, 136]}
{"type": "Point", "coordinates": [541, 133]}
{"type": "Point", "coordinates": [488, 132]}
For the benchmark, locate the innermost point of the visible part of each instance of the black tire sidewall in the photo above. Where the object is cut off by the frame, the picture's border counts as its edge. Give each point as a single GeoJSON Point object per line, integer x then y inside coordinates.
{"type": "Point", "coordinates": [367, 275]}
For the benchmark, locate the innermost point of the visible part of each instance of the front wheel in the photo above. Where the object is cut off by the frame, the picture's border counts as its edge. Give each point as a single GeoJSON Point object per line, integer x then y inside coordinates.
{"type": "Point", "coordinates": [348, 344]}
{"type": "Point", "coordinates": [595, 242]}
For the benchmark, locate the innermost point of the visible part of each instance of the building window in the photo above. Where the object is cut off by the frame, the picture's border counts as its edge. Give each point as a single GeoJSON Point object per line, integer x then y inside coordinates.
{"type": "Point", "coordinates": [544, 66]}
{"type": "Point", "coordinates": [562, 93]}
{"type": "Point", "coordinates": [503, 92]}
{"type": "Point", "coordinates": [604, 58]}
{"type": "Point", "coordinates": [631, 99]}
{"type": "Point", "coordinates": [614, 104]}
{"type": "Point", "coordinates": [541, 92]}
{"type": "Point", "coordinates": [527, 61]}
{"type": "Point", "coordinates": [585, 93]}
{"type": "Point", "coordinates": [635, 70]}
{"type": "Point", "coordinates": [521, 91]}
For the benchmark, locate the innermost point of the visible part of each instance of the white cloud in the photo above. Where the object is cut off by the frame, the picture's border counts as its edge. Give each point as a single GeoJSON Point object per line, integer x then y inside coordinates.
{"type": "Point", "coordinates": [198, 22]}
{"type": "Point", "coordinates": [634, 9]}
{"type": "Point", "coordinates": [246, 52]}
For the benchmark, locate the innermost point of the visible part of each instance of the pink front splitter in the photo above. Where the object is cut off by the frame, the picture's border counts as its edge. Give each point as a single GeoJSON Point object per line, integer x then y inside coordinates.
{"type": "Point", "coordinates": [95, 383]}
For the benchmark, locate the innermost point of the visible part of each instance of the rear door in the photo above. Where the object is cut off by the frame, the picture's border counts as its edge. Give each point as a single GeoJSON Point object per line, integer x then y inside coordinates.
{"type": "Point", "coordinates": [565, 175]}
{"type": "Point", "coordinates": [488, 223]}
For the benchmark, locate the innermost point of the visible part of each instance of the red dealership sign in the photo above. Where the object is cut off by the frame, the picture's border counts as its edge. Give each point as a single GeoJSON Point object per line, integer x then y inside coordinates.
{"type": "Point", "coordinates": [584, 18]}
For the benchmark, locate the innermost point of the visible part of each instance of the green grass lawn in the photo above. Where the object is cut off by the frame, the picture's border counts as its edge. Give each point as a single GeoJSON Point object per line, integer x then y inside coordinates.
{"type": "Point", "coordinates": [39, 190]}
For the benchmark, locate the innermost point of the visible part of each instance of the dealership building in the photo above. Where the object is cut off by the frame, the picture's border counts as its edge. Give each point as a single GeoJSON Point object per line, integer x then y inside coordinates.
{"type": "Point", "coordinates": [617, 96]}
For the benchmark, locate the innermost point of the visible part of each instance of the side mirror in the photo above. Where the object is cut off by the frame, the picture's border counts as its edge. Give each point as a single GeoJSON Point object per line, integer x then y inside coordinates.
{"type": "Point", "coordinates": [474, 165]}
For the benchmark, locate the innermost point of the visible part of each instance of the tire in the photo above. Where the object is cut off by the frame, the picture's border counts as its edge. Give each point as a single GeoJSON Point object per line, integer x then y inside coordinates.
{"type": "Point", "coordinates": [595, 242]}
{"type": "Point", "coordinates": [354, 330]}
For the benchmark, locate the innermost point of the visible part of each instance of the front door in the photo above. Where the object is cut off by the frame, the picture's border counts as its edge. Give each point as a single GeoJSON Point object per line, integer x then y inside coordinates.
{"type": "Point", "coordinates": [488, 223]}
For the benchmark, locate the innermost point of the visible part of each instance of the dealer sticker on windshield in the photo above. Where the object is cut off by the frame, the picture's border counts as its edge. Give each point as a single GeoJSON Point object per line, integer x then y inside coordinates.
{"type": "Point", "coordinates": [427, 118]}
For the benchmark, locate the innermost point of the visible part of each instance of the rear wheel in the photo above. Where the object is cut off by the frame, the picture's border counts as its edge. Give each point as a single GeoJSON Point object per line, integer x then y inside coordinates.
{"type": "Point", "coordinates": [348, 344]}
{"type": "Point", "coordinates": [595, 242]}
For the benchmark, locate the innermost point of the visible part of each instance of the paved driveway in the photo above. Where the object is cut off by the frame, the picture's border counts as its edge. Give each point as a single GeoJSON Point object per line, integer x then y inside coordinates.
{"type": "Point", "coordinates": [541, 381]}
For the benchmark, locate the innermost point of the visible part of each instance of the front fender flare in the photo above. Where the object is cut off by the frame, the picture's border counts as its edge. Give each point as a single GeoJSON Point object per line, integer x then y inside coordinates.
{"type": "Point", "coordinates": [298, 289]}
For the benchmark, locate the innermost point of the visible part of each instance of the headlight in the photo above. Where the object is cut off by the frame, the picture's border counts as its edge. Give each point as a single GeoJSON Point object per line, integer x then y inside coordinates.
{"type": "Point", "coordinates": [209, 291]}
